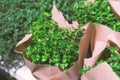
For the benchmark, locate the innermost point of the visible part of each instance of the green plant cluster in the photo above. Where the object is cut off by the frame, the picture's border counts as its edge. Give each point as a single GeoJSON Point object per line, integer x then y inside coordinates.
{"type": "Point", "coordinates": [16, 17]}
{"type": "Point", "coordinates": [97, 12]}
{"type": "Point", "coordinates": [85, 69]}
{"type": "Point", "coordinates": [53, 45]}
{"type": "Point", "coordinates": [114, 62]}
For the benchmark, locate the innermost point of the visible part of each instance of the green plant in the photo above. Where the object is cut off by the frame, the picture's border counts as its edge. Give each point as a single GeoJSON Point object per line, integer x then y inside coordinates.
{"type": "Point", "coordinates": [97, 12]}
{"type": "Point", "coordinates": [101, 13]}
{"type": "Point", "coordinates": [52, 45]}
{"type": "Point", "coordinates": [114, 62]}
{"type": "Point", "coordinates": [16, 17]}
{"type": "Point", "coordinates": [85, 69]}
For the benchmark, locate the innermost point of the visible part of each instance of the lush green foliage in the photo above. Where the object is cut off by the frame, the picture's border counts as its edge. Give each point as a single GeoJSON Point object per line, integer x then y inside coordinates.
{"type": "Point", "coordinates": [16, 17]}
{"type": "Point", "coordinates": [85, 69]}
{"type": "Point", "coordinates": [98, 12]}
{"type": "Point", "coordinates": [53, 45]}
{"type": "Point", "coordinates": [114, 62]}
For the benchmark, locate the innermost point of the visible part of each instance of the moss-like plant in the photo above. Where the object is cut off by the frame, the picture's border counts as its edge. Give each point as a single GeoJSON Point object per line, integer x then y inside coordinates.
{"type": "Point", "coordinates": [53, 45]}
{"type": "Point", "coordinates": [98, 12]}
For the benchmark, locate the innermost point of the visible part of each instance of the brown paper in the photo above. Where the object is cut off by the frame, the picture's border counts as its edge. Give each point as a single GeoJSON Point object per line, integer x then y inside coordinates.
{"type": "Point", "coordinates": [62, 22]}
{"type": "Point", "coordinates": [90, 0]}
{"type": "Point", "coordinates": [115, 5]}
{"type": "Point", "coordinates": [101, 72]}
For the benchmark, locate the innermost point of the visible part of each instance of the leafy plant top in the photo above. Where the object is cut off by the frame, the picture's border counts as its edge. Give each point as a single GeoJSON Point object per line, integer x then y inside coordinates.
{"type": "Point", "coordinates": [98, 12]}
{"type": "Point", "coordinates": [53, 45]}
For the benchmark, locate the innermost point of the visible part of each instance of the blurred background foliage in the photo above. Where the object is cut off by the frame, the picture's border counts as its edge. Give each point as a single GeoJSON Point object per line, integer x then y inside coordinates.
{"type": "Point", "coordinates": [16, 17]}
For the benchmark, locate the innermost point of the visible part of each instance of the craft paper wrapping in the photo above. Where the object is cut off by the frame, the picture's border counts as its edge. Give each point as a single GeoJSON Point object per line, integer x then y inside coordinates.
{"type": "Point", "coordinates": [115, 5]}
{"type": "Point", "coordinates": [96, 37]}
{"type": "Point", "coordinates": [90, 0]}
{"type": "Point", "coordinates": [62, 22]}
{"type": "Point", "coordinates": [101, 72]}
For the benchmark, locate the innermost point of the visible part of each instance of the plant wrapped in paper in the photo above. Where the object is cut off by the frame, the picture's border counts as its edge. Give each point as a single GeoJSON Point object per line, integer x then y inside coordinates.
{"type": "Point", "coordinates": [52, 45]}
{"type": "Point", "coordinates": [93, 40]}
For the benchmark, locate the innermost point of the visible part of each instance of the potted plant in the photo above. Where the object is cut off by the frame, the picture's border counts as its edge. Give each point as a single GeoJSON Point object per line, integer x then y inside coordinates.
{"type": "Point", "coordinates": [52, 45]}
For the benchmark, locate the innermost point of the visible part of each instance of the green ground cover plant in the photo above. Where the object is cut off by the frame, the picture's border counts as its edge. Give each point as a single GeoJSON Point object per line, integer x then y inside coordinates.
{"type": "Point", "coordinates": [100, 13]}
{"type": "Point", "coordinates": [16, 17]}
{"type": "Point", "coordinates": [53, 45]}
{"type": "Point", "coordinates": [97, 12]}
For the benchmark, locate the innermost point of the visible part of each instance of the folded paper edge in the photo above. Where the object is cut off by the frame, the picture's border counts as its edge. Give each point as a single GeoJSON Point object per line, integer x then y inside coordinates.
{"type": "Point", "coordinates": [104, 70]}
